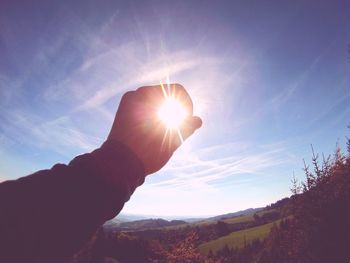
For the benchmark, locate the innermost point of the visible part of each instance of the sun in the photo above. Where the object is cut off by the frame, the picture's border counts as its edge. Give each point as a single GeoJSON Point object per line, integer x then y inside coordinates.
{"type": "Point", "coordinates": [172, 113]}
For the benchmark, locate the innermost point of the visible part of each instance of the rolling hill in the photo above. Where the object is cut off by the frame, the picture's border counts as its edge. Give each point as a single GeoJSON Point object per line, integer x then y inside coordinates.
{"type": "Point", "coordinates": [238, 239]}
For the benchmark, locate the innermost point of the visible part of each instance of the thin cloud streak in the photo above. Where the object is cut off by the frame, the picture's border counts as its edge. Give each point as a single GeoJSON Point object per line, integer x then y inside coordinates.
{"type": "Point", "coordinates": [107, 71]}
{"type": "Point", "coordinates": [61, 131]}
{"type": "Point", "coordinates": [152, 72]}
{"type": "Point", "coordinates": [199, 173]}
{"type": "Point", "coordinates": [58, 135]}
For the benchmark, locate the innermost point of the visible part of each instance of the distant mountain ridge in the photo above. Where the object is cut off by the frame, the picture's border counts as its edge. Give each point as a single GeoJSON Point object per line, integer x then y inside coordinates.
{"type": "Point", "coordinates": [138, 217]}
{"type": "Point", "coordinates": [149, 224]}
{"type": "Point", "coordinates": [124, 217]}
{"type": "Point", "coordinates": [245, 212]}
{"type": "Point", "coordinates": [127, 222]}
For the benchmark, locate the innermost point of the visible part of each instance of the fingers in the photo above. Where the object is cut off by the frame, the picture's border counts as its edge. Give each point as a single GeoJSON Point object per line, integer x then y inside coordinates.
{"type": "Point", "coordinates": [179, 93]}
{"type": "Point", "coordinates": [148, 100]}
{"type": "Point", "coordinates": [170, 89]}
{"type": "Point", "coordinates": [155, 94]}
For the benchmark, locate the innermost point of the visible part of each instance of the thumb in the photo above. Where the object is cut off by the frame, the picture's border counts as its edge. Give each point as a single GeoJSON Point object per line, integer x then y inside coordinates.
{"type": "Point", "coordinates": [191, 124]}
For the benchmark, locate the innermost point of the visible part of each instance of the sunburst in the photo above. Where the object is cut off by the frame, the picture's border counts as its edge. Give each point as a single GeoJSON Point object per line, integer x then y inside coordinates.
{"type": "Point", "coordinates": [172, 112]}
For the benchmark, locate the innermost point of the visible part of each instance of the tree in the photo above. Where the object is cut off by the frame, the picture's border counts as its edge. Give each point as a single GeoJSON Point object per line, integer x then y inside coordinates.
{"type": "Point", "coordinates": [296, 187]}
{"type": "Point", "coordinates": [222, 228]}
{"type": "Point", "coordinates": [185, 251]}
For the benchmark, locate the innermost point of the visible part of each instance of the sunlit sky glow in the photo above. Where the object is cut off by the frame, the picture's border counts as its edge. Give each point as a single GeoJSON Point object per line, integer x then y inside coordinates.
{"type": "Point", "coordinates": [268, 79]}
{"type": "Point", "coordinates": [172, 113]}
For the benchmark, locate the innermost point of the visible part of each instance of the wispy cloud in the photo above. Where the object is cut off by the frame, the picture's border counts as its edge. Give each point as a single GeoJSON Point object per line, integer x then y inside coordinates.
{"type": "Point", "coordinates": [337, 112]}
{"type": "Point", "coordinates": [58, 135]}
{"type": "Point", "coordinates": [196, 172]}
{"type": "Point", "coordinates": [295, 85]}
{"type": "Point", "coordinates": [194, 181]}
{"type": "Point", "coordinates": [136, 71]}
{"type": "Point", "coordinates": [107, 71]}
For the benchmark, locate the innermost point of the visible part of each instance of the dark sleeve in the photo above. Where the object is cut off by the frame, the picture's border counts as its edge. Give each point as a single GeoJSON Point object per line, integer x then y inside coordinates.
{"type": "Point", "coordinates": [47, 216]}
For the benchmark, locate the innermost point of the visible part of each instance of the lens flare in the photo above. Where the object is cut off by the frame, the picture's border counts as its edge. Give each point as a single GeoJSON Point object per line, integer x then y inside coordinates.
{"type": "Point", "coordinates": [172, 113]}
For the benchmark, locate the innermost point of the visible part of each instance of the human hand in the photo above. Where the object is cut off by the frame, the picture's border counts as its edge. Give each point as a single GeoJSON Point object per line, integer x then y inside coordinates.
{"type": "Point", "coordinates": [138, 126]}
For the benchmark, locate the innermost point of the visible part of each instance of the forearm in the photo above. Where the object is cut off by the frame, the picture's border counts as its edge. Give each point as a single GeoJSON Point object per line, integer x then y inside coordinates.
{"type": "Point", "coordinates": [51, 213]}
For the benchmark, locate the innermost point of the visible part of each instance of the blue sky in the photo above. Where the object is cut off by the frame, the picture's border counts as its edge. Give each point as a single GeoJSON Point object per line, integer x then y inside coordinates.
{"type": "Point", "coordinates": [268, 78]}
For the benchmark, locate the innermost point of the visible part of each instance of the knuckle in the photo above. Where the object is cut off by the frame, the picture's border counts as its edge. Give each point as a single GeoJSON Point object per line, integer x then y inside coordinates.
{"type": "Point", "coordinates": [178, 86]}
{"type": "Point", "coordinates": [127, 95]}
{"type": "Point", "coordinates": [144, 88]}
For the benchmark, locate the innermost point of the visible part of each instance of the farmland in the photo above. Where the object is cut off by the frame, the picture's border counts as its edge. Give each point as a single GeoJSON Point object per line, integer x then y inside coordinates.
{"type": "Point", "coordinates": [237, 239]}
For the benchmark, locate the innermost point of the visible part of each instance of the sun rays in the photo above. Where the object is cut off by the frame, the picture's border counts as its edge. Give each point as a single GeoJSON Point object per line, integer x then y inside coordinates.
{"type": "Point", "coordinates": [172, 112]}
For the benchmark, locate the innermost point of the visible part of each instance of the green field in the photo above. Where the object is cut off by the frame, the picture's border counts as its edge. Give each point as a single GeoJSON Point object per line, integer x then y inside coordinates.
{"type": "Point", "coordinates": [238, 238]}
{"type": "Point", "coordinates": [239, 219]}
{"type": "Point", "coordinates": [233, 220]}
{"type": "Point", "coordinates": [242, 219]}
